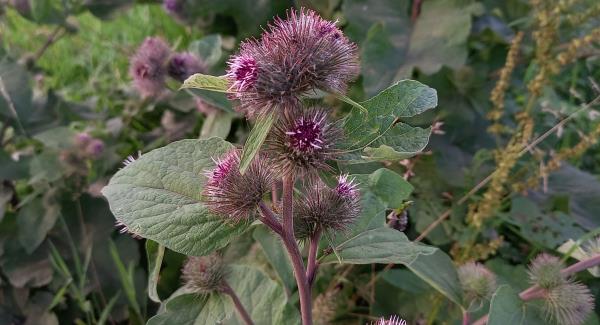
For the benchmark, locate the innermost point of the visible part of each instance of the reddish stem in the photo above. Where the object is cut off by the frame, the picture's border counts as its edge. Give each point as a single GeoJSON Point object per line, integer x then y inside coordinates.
{"type": "Point", "coordinates": [466, 318]}
{"type": "Point", "coordinates": [268, 218]}
{"type": "Point", "coordinates": [238, 304]}
{"type": "Point", "coordinates": [289, 240]}
{"type": "Point", "coordinates": [311, 269]}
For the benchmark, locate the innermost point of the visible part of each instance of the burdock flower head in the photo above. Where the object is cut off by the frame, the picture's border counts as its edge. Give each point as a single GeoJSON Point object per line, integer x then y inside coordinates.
{"type": "Point", "coordinates": [477, 282]}
{"type": "Point", "coordinates": [183, 65]}
{"type": "Point", "coordinates": [545, 271]}
{"type": "Point", "coordinates": [204, 274]}
{"type": "Point", "coordinates": [303, 141]}
{"type": "Point", "coordinates": [568, 304]}
{"type": "Point", "coordinates": [328, 209]}
{"type": "Point", "coordinates": [233, 195]}
{"type": "Point", "coordinates": [148, 66]}
{"type": "Point", "coordinates": [296, 55]}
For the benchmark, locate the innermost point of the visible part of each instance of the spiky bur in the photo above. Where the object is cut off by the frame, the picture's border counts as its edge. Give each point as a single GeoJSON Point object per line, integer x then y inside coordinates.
{"type": "Point", "coordinates": [233, 195]}
{"type": "Point", "coordinates": [148, 66]}
{"type": "Point", "coordinates": [325, 208]}
{"type": "Point", "coordinates": [88, 146]}
{"type": "Point", "coordinates": [296, 55]}
{"type": "Point", "coordinates": [182, 65]}
{"type": "Point", "coordinates": [325, 306]}
{"type": "Point", "coordinates": [204, 274]}
{"type": "Point", "coordinates": [478, 283]}
{"type": "Point", "coordinates": [393, 320]}
{"type": "Point", "coordinates": [302, 141]}
{"type": "Point", "coordinates": [568, 304]}
{"type": "Point", "coordinates": [545, 271]}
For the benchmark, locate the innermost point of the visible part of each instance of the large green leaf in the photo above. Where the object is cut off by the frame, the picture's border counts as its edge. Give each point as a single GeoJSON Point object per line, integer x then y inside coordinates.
{"type": "Point", "coordinates": [393, 45]}
{"type": "Point", "coordinates": [380, 134]}
{"type": "Point", "coordinates": [262, 297]}
{"type": "Point", "coordinates": [507, 308]}
{"type": "Point", "coordinates": [159, 197]}
{"type": "Point", "coordinates": [387, 245]}
{"type": "Point", "coordinates": [257, 137]}
{"type": "Point", "coordinates": [35, 219]}
{"type": "Point", "coordinates": [277, 256]}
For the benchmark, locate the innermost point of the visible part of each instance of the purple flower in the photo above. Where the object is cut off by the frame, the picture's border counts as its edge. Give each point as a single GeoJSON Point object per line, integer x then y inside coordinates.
{"type": "Point", "coordinates": [328, 209]}
{"type": "Point", "coordinates": [233, 195]}
{"type": "Point", "coordinates": [393, 320]}
{"type": "Point", "coordinates": [295, 56]}
{"type": "Point", "coordinates": [148, 66]}
{"type": "Point", "coordinates": [302, 142]}
{"type": "Point", "coordinates": [183, 65]}
{"type": "Point", "coordinates": [94, 148]}
{"type": "Point", "coordinates": [173, 6]}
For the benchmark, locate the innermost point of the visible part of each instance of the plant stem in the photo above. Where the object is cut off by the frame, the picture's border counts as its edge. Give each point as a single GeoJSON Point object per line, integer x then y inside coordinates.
{"type": "Point", "coordinates": [535, 291]}
{"type": "Point", "coordinates": [238, 304]}
{"type": "Point", "coordinates": [289, 240]}
{"type": "Point", "coordinates": [268, 218]}
{"type": "Point", "coordinates": [311, 269]}
{"type": "Point", "coordinates": [465, 320]}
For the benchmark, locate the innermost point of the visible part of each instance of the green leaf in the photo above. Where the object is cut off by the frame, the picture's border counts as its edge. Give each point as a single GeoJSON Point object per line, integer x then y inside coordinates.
{"type": "Point", "coordinates": [276, 256]}
{"type": "Point", "coordinates": [393, 46]}
{"type": "Point", "coordinates": [155, 253]}
{"type": "Point", "coordinates": [216, 124]}
{"type": "Point", "coordinates": [390, 187]}
{"type": "Point", "coordinates": [206, 82]}
{"type": "Point", "coordinates": [386, 245]}
{"type": "Point", "coordinates": [208, 48]}
{"type": "Point", "coordinates": [257, 136]}
{"type": "Point", "coordinates": [159, 197]}
{"type": "Point", "coordinates": [380, 133]}
{"type": "Point", "coordinates": [35, 219]}
{"type": "Point", "coordinates": [507, 308]}
{"type": "Point", "coordinates": [262, 297]}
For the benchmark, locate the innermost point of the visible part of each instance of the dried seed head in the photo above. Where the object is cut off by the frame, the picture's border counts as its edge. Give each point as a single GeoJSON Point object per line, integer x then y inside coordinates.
{"type": "Point", "coordinates": [568, 304]}
{"type": "Point", "coordinates": [477, 282]}
{"type": "Point", "coordinates": [148, 66]}
{"type": "Point", "coordinates": [326, 306]}
{"type": "Point", "coordinates": [204, 274]}
{"type": "Point", "coordinates": [183, 65]}
{"type": "Point", "coordinates": [296, 55]}
{"type": "Point", "coordinates": [231, 194]}
{"type": "Point", "coordinates": [302, 142]}
{"type": "Point", "coordinates": [329, 209]}
{"type": "Point", "coordinates": [393, 320]}
{"type": "Point", "coordinates": [545, 271]}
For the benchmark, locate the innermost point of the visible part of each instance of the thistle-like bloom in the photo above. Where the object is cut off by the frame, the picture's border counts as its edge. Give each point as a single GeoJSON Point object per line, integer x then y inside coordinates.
{"type": "Point", "coordinates": [328, 209]}
{"type": "Point", "coordinates": [233, 195]}
{"type": "Point", "coordinates": [296, 55]}
{"type": "Point", "coordinates": [477, 282]}
{"type": "Point", "coordinates": [148, 66]}
{"type": "Point", "coordinates": [302, 142]}
{"type": "Point", "coordinates": [88, 146]}
{"type": "Point", "coordinates": [204, 274]}
{"type": "Point", "coordinates": [183, 65]}
{"type": "Point", "coordinates": [568, 304]}
{"type": "Point", "coordinates": [545, 271]}
{"type": "Point", "coordinates": [393, 320]}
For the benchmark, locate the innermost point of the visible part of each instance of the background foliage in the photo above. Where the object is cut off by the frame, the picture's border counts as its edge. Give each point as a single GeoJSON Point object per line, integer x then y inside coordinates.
{"type": "Point", "coordinates": [64, 71]}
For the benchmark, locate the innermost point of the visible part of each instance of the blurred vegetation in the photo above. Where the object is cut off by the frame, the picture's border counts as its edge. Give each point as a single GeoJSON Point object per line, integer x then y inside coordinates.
{"type": "Point", "coordinates": [506, 72]}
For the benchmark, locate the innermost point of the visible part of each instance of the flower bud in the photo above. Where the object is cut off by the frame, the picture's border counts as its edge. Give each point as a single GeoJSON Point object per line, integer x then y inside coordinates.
{"type": "Point", "coordinates": [477, 282]}
{"type": "Point", "coordinates": [183, 65]}
{"type": "Point", "coordinates": [327, 208]}
{"type": "Point", "coordinates": [302, 142]}
{"type": "Point", "coordinates": [95, 148]}
{"type": "Point", "coordinates": [204, 274]}
{"type": "Point", "coordinates": [568, 304]}
{"type": "Point", "coordinates": [148, 66]}
{"type": "Point", "coordinates": [231, 194]}
{"type": "Point", "coordinates": [545, 271]}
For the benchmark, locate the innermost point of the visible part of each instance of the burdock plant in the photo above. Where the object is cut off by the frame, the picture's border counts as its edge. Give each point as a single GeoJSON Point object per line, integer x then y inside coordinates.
{"type": "Point", "coordinates": [290, 177]}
